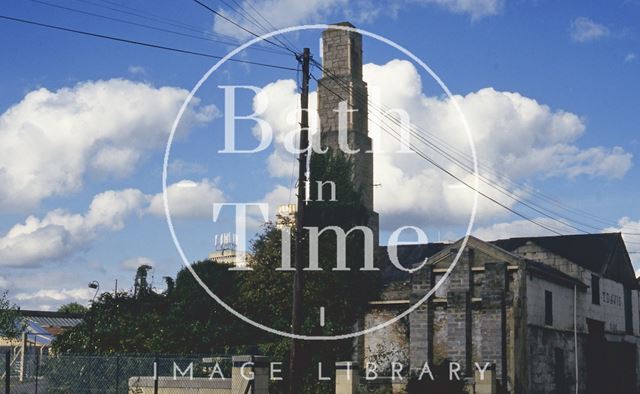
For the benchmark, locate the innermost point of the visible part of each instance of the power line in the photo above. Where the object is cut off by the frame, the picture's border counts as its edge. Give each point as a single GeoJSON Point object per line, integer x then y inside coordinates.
{"type": "Point", "coordinates": [451, 174]}
{"type": "Point", "coordinates": [240, 26]}
{"type": "Point", "coordinates": [249, 3]}
{"type": "Point", "coordinates": [141, 43]}
{"type": "Point", "coordinates": [71, 9]}
{"type": "Point", "coordinates": [146, 15]}
{"type": "Point", "coordinates": [526, 202]}
{"type": "Point", "coordinates": [247, 15]}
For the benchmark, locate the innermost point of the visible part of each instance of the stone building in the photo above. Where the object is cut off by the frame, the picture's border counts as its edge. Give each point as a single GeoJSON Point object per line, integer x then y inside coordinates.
{"type": "Point", "coordinates": [537, 309]}
{"type": "Point", "coordinates": [547, 313]}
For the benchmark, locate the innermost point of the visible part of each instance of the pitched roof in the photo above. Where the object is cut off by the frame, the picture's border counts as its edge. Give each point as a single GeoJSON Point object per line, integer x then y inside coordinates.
{"type": "Point", "coordinates": [408, 255]}
{"type": "Point", "coordinates": [604, 254]}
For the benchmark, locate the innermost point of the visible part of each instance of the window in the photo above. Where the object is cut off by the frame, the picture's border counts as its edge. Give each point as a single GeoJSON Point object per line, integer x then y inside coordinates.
{"type": "Point", "coordinates": [595, 289]}
{"type": "Point", "coordinates": [548, 308]}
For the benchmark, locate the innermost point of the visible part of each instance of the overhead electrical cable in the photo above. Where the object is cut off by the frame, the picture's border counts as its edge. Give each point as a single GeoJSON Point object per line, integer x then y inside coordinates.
{"type": "Point", "coordinates": [141, 43]}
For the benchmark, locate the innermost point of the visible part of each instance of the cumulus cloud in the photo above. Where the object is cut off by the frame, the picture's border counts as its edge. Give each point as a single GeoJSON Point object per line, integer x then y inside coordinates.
{"type": "Point", "coordinates": [55, 296]}
{"type": "Point", "coordinates": [133, 263]}
{"type": "Point", "coordinates": [278, 105]}
{"type": "Point", "coordinates": [514, 135]}
{"type": "Point", "coordinates": [583, 29]}
{"type": "Point", "coordinates": [51, 139]}
{"type": "Point", "coordinates": [179, 167]}
{"type": "Point", "coordinates": [60, 233]}
{"type": "Point", "coordinates": [279, 13]}
{"type": "Point", "coordinates": [189, 199]}
{"type": "Point", "coordinates": [284, 13]}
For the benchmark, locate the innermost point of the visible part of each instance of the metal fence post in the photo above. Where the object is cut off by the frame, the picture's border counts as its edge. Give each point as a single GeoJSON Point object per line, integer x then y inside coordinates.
{"type": "Point", "coordinates": [37, 369]}
{"type": "Point", "coordinates": [23, 358]}
{"type": "Point", "coordinates": [7, 372]}
{"type": "Point", "coordinates": [117, 373]}
{"type": "Point", "coordinates": [155, 376]}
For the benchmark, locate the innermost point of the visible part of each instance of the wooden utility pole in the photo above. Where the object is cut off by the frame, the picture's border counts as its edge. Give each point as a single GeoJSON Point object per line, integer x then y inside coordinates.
{"type": "Point", "coordinates": [295, 375]}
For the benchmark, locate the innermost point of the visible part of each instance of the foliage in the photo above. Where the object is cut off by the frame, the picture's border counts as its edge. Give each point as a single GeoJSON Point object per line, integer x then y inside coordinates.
{"type": "Point", "coordinates": [266, 294]}
{"type": "Point", "coordinates": [119, 323]}
{"type": "Point", "coordinates": [185, 319]}
{"type": "Point", "coordinates": [201, 324]}
{"type": "Point", "coordinates": [73, 307]}
{"type": "Point", "coordinates": [10, 320]}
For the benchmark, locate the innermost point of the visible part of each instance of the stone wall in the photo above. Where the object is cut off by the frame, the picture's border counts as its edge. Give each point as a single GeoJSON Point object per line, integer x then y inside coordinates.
{"type": "Point", "coordinates": [389, 344]}
{"type": "Point", "coordinates": [546, 346]}
{"type": "Point", "coordinates": [466, 322]}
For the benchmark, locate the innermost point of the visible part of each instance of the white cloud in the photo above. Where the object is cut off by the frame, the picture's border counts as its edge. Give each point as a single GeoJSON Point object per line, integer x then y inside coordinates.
{"type": "Point", "coordinates": [50, 139]}
{"type": "Point", "coordinates": [281, 112]}
{"type": "Point", "coordinates": [137, 70]}
{"type": "Point", "coordinates": [630, 57]}
{"type": "Point", "coordinates": [56, 296]}
{"type": "Point", "coordinates": [279, 13]}
{"type": "Point", "coordinates": [60, 234]}
{"type": "Point", "coordinates": [189, 199]}
{"type": "Point", "coordinates": [514, 135]}
{"type": "Point", "coordinates": [284, 13]}
{"type": "Point", "coordinates": [4, 283]}
{"type": "Point", "coordinates": [133, 263]}
{"type": "Point", "coordinates": [119, 161]}
{"type": "Point", "coordinates": [181, 167]}
{"type": "Point", "coordinates": [475, 8]}
{"type": "Point", "coordinates": [630, 230]}
{"type": "Point", "coordinates": [583, 29]}
{"type": "Point", "coordinates": [521, 228]}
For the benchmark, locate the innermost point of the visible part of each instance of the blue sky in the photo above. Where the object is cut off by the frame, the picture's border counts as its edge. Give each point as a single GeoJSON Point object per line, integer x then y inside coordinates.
{"type": "Point", "coordinates": [550, 90]}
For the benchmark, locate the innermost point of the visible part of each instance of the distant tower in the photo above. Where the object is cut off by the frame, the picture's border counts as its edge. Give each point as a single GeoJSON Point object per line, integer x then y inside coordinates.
{"type": "Point", "coordinates": [342, 61]}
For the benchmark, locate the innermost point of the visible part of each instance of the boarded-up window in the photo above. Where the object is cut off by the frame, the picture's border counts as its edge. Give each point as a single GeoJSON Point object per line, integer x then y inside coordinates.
{"type": "Point", "coordinates": [444, 287]}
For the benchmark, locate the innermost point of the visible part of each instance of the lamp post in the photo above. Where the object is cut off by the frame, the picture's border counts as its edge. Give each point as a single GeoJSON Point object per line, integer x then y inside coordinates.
{"type": "Point", "coordinates": [94, 285]}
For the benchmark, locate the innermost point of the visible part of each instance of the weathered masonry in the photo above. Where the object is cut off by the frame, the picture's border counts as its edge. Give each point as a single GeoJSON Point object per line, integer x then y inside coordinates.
{"type": "Point", "coordinates": [537, 309]}
{"type": "Point", "coordinates": [525, 305]}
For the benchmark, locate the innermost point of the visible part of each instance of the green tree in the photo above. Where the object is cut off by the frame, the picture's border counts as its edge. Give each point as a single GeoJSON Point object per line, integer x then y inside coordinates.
{"type": "Point", "coordinates": [73, 307]}
{"type": "Point", "coordinates": [266, 294]}
{"type": "Point", "coordinates": [201, 324]}
{"type": "Point", "coordinates": [183, 320]}
{"type": "Point", "coordinates": [11, 324]}
{"type": "Point", "coordinates": [118, 324]}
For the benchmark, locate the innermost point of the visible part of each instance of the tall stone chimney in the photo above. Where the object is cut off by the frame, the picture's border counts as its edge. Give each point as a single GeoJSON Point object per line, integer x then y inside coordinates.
{"type": "Point", "coordinates": [342, 61]}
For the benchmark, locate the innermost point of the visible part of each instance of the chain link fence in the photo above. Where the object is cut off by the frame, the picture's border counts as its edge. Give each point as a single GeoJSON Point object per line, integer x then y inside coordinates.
{"type": "Point", "coordinates": [112, 374]}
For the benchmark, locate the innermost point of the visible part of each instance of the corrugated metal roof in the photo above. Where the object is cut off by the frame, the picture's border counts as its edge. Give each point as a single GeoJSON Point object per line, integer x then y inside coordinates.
{"type": "Point", "coordinates": [52, 319]}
